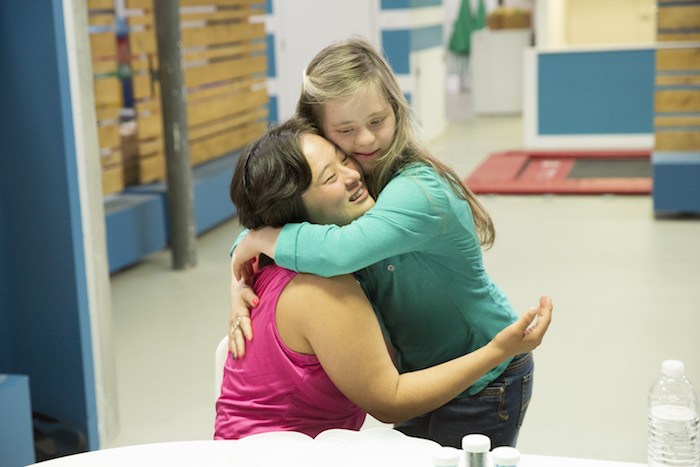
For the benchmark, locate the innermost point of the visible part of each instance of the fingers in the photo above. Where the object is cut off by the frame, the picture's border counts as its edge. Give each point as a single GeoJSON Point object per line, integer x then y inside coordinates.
{"type": "Point", "coordinates": [544, 318]}
{"type": "Point", "coordinates": [248, 271]}
{"type": "Point", "coordinates": [243, 270]}
{"type": "Point", "coordinates": [546, 302]}
{"type": "Point", "coordinates": [240, 326]}
{"type": "Point", "coordinates": [544, 312]}
{"type": "Point", "coordinates": [249, 299]}
{"type": "Point", "coordinates": [243, 298]}
{"type": "Point", "coordinates": [236, 337]}
{"type": "Point", "coordinates": [525, 320]}
{"type": "Point", "coordinates": [241, 265]}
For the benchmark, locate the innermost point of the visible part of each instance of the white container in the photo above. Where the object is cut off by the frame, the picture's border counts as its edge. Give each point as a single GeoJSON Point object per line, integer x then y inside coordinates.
{"type": "Point", "coordinates": [476, 450]}
{"type": "Point", "coordinates": [446, 457]}
{"type": "Point", "coordinates": [673, 419]}
{"type": "Point", "coordinates": [505, 456]}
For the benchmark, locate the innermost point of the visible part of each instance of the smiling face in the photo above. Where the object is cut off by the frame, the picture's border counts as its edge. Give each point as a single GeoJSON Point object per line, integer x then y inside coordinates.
{"type": "Point", "coordinates": [363, 126]}
{"type": "Point", "coordinates": [337, 194]}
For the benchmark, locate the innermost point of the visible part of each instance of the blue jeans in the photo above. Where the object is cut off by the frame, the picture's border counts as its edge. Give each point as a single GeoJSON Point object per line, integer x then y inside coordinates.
{"type": "Point", "coordinates": [497, 411]}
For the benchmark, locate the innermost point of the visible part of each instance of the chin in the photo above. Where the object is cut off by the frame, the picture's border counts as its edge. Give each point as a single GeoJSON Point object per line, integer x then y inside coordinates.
{"type": "Point", "coordinates": [368, 165]}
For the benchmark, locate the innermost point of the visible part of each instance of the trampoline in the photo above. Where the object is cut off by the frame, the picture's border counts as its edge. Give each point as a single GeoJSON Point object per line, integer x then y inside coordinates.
{"type": "Point", "coordinates": [564, 172]}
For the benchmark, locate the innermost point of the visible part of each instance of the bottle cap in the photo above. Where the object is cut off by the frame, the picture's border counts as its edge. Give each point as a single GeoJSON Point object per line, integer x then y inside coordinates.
{"type": "Point", "coordinates": [505, 455]}
{"type": "Point", "coordinates": [476, 443]}
{"type": "Point", "coordinates": [673, 368]}
{"type": "Point", "coordinates": [446, 457]}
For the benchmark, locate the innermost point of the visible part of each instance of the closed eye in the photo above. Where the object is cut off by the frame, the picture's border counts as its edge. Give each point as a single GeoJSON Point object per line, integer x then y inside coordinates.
{"type": "Point", "coordinates": [342, 156]}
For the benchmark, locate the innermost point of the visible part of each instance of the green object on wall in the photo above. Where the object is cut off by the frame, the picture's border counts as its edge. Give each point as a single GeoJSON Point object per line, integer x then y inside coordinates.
{"type": "Point", "coordinates": [480, 16]}
{"type": "Point", "coordinates": [460, 42]}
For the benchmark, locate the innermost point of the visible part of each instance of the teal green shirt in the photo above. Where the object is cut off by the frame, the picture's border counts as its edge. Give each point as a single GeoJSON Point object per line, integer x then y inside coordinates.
{"type": "Point", "coordinates": [418, 258]}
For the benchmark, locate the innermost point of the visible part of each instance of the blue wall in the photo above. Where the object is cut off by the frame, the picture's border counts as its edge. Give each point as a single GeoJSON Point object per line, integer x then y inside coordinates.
{"type": "Point", "coordinates": [401, 4]}
{"type": "Point", "coordinates": [5, 347]}
{"type": "Point", "coordinates": [399, 43]}
{"type": "Point", "coordinates": [137, 219]}
{"type": "Point", "coordinates": [16, 440]}
{"type": "Point", "coordinates": [43, 292]}
{"type": "Point", "coordinates": [596, 92]}
{"type": "Point", "coordinates": [676, 181]}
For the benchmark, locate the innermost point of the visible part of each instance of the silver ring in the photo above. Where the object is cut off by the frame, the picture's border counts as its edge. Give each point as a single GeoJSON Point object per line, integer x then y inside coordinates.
{"type": "Point", "coordinates": [237, 324]}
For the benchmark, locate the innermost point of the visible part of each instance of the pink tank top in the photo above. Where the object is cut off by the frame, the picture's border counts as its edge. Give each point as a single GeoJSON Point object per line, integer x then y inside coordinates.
{"type": "Point", "coordinates": [274, 388]}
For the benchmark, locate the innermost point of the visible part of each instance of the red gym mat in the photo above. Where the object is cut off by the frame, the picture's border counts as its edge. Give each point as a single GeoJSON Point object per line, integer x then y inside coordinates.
{"type": "Point", "coordinates": [564, 172]}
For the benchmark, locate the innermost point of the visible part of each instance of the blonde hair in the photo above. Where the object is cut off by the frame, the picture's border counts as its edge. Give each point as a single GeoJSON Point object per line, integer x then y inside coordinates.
{"type": "Point", "coordinates": [340, 71]}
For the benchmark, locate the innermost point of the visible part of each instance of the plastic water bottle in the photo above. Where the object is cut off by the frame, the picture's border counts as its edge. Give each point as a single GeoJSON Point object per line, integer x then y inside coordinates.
{"type": "Point", "coordinates": [673, 419]}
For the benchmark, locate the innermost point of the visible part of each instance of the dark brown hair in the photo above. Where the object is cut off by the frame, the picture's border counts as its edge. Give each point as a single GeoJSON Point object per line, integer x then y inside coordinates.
{"type": "Point", "coordinates": [270, 177]}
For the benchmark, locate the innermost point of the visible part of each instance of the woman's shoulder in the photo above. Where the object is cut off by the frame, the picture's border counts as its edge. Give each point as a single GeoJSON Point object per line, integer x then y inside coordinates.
{"type": "Point", "coordinates": [422, 174]}
{"type": "Point", "coordinates": [272, 276]}
{"type": "Point", "coordinates": [418, 169]}
{"type": "Point", "coordinates": [303, 284]}
{"type": "Point", "coordinates": [422, 180]}
{"type": "Point", "coordinates": [308, 296]}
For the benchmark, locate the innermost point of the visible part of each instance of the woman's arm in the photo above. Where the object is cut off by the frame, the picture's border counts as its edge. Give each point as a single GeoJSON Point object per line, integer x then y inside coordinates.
{"type": "Point", "coordinates": [410, 212]}
{"type": "Point", "coordinates": [242, 299]}
{"type": "Point", "coordinates": [339, 326]}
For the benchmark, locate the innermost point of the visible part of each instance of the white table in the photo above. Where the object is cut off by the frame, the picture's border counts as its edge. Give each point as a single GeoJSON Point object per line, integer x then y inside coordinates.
{"type": "Point", "coordinates": [338, 448]}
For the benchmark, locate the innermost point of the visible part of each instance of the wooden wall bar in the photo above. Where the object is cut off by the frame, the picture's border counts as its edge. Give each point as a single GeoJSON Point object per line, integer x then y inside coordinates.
{"type": "Point", "coordinates": [676, 157]}
{"type": "Point", "coordinates": [225, 66]}
{"type": "Point", "coordinates": [146, 163]}
{"type": "Point", "coordinates": [225, 74]}
{"type": "Point", "coordinates": [677, 95]}
{"type": "Point", "coordinates": [678, 20]}
{"type": "Point", "coordinates": [108, 92]}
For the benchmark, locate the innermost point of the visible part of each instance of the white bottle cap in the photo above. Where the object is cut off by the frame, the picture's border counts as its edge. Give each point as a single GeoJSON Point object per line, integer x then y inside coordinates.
{"type": "Point", "coordinates": [476, 443]}
{"type": "Point", "coordinates": [673, 368]}
{"type": "Point", "coordinates": [505, 456]}
{"type": "Point", "coordinates": [446, 457]}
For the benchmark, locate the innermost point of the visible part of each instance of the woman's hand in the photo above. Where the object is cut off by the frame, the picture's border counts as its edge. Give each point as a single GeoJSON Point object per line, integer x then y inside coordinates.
{"type": "Point", "coordinates": [522, 336]}
{"type": "Point", "coordinates": [242, 299]}
{"type": "Point", "coordinates": [263, 240]}
{"type": "Point", "coordinates": [243, 254]}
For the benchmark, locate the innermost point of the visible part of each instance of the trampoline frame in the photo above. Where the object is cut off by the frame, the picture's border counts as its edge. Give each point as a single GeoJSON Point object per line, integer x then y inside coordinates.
{"type": "Point", "coordinates": [546, 172]}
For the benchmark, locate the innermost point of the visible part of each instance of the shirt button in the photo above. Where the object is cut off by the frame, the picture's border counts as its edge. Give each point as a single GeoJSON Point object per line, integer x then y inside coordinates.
{"type": "Point", "coordinates": [391, 267]}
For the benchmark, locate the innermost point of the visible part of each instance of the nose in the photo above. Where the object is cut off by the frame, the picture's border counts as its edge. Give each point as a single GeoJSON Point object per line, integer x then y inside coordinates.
{"type": "Point", "coordinates": [364, 137]}
{"type": "Point", "coordinates": [350, 176]}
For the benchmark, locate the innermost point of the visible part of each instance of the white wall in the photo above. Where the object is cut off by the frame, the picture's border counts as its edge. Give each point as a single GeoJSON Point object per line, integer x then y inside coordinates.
{"type": "Point", "coordinates": [93, 218]}
{"type": "Point", "coordinates": [304, 27]}
{"type": "Point", "coordinates": [605, 22]}
{"type": "Point", "coordinates": [566, 23]}
{"type": "Point", "coordinates": [429, 95]}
